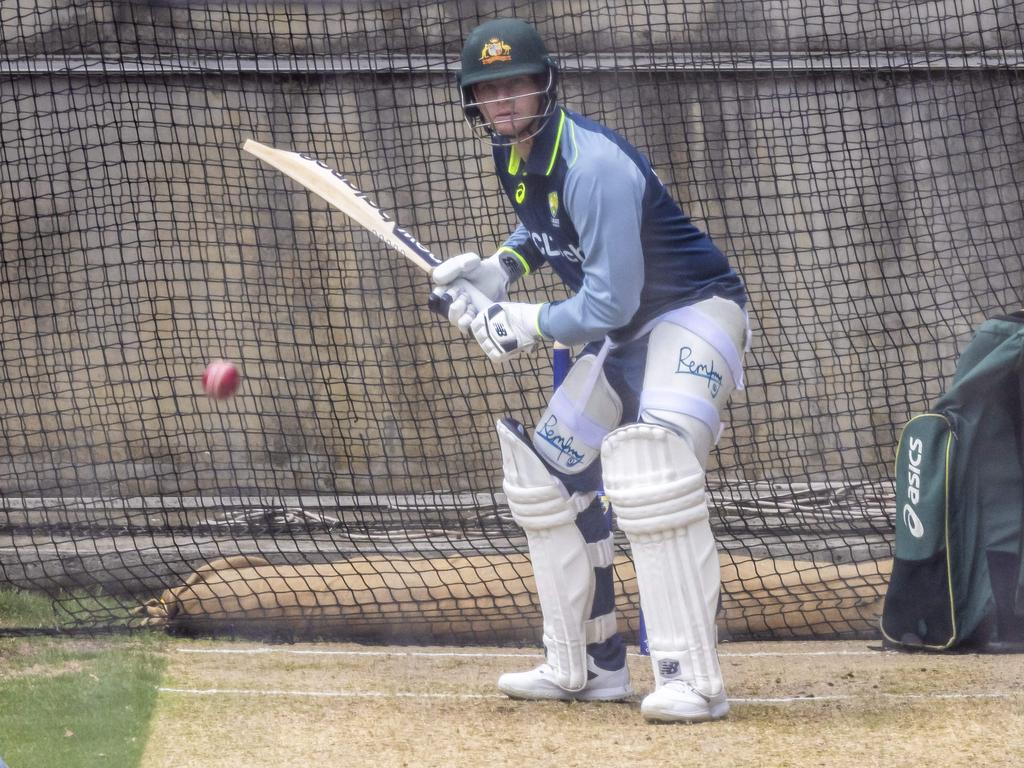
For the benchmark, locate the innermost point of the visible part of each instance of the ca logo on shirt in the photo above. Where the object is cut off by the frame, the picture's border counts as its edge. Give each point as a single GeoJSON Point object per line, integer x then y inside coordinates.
{"type": "Point", "coordinates": [553, 207]}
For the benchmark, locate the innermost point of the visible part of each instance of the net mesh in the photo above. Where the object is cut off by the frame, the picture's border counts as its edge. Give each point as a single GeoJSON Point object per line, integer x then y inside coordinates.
{"type": "Point", "coordinates": [860, 164]}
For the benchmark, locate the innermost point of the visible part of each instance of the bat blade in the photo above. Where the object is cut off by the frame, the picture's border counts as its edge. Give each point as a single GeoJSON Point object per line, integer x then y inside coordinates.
{"type": "Point", "coordinates": [330, 185]}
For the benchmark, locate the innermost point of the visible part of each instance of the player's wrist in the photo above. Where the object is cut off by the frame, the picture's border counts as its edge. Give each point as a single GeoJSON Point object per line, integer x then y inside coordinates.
{"type": "Point", "coordinates": [494, 277]}
{"type": "Point", "coordinates": [512, 263]}
{"type": "Point", "coordinates": [539, 323]}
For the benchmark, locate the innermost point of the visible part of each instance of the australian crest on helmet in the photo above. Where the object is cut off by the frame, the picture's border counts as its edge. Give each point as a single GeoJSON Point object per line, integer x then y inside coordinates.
{"type": "Point", "coordinates": [495, 50]}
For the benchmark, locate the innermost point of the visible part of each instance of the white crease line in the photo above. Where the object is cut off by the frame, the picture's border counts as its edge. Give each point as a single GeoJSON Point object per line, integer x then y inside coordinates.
{"type": "Point", "coordinates": [789, 699]}
{"type": "Point", "coordinates": [479, 696]}
{"type": "Point", "coordinates": [488, 655]}
{"type": "Point", "coordinates": [296, 652]}
{"type": "Point", "coordinates": [329, 694]}
{"type": "Point", "coordinates": [892, 696]}
{"type": "Point", "coordinates": [991, 695]}
{"type": "Point", "coordinates": [756, 654]}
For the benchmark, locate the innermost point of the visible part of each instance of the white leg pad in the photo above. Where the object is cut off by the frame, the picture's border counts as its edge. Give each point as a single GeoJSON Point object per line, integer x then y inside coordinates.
{"type": "Point", "coordinates": [562, 565]}
{"type": "Point", "coordinates": [656, 487]}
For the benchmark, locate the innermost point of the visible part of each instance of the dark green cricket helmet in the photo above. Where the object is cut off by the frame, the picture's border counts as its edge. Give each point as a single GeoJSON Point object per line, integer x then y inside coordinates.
{"type": "Point", "coordinates": [503, 48]}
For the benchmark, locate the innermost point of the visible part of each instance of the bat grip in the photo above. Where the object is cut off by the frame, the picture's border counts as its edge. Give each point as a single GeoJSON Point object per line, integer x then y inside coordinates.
{"type": "Point", "coordinates": [441, 298]}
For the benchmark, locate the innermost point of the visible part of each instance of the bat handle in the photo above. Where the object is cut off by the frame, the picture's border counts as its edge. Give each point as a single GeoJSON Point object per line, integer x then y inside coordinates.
{"type": "Point", "coordinates": [441, 299]}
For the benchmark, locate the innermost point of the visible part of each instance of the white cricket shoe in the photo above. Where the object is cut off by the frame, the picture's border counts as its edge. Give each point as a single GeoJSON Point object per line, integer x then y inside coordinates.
{"type": "Point", "coordinates": [678, 701]}
{"type": "Point", "coordinates": [540, 683]}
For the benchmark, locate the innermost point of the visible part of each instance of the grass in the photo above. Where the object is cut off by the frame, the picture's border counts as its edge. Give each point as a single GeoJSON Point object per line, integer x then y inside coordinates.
{"type": "Point", "coordinates": [25, 609]}
{"type": "Point", "coordinates": [71, 701]}
{"type": "Point", "coordinates": [28, 610]}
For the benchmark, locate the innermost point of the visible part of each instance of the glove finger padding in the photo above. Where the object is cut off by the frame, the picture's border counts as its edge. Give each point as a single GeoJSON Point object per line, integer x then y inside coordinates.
{"type": "Point", "coordinates": [488, 275]}
{"type": "Point", "coordinates": [450, 270]}
{"type": "Point", "coordinates": [461, 312]}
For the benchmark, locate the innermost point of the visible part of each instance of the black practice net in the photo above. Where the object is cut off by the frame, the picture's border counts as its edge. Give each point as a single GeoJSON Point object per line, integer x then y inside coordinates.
{"type": "Point", "coordinates": [860, 164]}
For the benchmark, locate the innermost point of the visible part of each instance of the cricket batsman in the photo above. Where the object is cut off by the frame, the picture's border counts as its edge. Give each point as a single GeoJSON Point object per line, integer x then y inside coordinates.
{"type": "Point", "coordinates": [660, 317]}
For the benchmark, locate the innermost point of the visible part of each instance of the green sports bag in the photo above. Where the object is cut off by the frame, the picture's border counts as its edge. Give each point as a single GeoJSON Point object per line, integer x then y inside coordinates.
{"type": "Point", "coordinates": [958, 571]}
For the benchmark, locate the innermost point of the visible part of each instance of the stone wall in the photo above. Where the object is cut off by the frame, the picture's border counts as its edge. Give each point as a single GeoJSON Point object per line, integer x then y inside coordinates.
{"type": "Point", "coordinates": [874, 213]}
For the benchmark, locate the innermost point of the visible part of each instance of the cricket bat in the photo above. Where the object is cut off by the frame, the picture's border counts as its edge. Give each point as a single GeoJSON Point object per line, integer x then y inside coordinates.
{"type": "Point", "coordinates": [334, 188]}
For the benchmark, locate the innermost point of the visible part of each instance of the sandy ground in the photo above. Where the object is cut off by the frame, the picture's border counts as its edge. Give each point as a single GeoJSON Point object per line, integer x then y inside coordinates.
{"type": "Point", "coordinates": [793, 704]}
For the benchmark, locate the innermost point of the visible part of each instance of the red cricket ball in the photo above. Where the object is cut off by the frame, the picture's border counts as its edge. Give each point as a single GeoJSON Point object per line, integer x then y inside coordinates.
{"type": "Point", "coordinates": [221, 379]}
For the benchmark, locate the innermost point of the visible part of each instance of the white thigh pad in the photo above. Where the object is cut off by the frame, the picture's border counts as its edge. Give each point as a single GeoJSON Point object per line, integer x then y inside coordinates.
{"type": "Point", "coordinates": [656, 487]}
{"type": "Point", "coordinates": [562, 565]}
{"type": "Point", "coordinates": [694, 362]}
{"type": "Point", "coordinates": [582, 411]}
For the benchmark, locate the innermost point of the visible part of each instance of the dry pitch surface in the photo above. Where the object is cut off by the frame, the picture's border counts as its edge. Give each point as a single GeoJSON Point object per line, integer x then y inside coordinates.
{"type": "Point", "coordinates": [793, 704]}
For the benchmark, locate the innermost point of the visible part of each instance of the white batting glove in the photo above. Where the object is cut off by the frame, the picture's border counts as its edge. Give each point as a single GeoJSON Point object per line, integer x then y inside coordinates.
{"type": "Point", "coordinates": [488, 276]}
{"type": "Point", "coordinates": [505, 330]}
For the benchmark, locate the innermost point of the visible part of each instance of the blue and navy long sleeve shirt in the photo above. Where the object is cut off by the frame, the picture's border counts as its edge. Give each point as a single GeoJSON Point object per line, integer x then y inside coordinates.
{"type": "Point", "coordinates": [590, 205]}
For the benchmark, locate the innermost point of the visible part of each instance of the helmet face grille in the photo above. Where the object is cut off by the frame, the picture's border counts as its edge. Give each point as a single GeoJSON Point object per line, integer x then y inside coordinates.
{"type": "Point", "coordinates": [476, 120]}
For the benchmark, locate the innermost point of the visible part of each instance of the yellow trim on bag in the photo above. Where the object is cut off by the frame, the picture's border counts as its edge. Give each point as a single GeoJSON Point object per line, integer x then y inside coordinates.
{"type": "Point", "coordinates": [950, 438]}
{"type": "Point", "coordinates": [949, 562]}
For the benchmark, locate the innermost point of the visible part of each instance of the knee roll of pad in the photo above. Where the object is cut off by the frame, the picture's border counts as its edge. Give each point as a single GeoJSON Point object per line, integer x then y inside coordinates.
{"type": "Point", "coordinates": [582, 411]}
{"type": "Point", "coordinates": [536, 498]}
{"type": "Point", "coordinates": [653, 479]}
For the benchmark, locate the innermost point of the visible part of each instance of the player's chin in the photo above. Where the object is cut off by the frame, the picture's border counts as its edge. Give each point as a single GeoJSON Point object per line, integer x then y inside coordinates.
{"type": "Point", "coordinates": [508, 127]}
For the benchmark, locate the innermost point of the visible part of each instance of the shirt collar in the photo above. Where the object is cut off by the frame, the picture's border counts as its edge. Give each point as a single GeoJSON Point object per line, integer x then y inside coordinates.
{"type": "Point", "coordinates": [545, 148]}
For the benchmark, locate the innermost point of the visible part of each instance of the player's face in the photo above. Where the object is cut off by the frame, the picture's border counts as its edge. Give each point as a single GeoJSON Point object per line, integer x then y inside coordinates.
{"type": "Point", "coordinates": [510, 105]}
